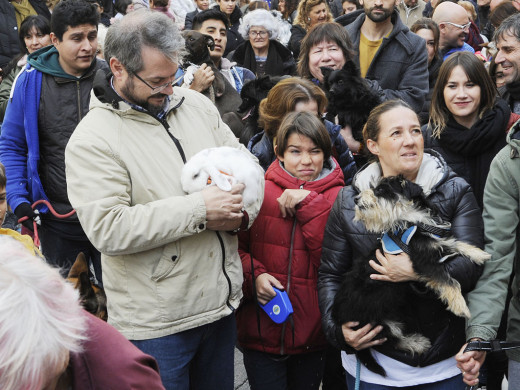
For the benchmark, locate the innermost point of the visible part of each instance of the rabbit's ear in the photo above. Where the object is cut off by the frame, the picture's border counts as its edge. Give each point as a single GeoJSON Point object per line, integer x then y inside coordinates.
{"type": "Point", "coordinates": [218, 178]}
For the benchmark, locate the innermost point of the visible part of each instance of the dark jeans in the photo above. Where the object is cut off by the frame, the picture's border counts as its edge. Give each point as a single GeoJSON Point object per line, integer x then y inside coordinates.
{"type": "Point", "coordinates": [334, 374]}
{"type": "Point", "coordinates": [197, 359]}
{"type": "Point", "coordinates": [62, 252]}
{"type": "Point", "coordinates": [294, 372]}
{"type": "Point", "coordinates": [454, 383]}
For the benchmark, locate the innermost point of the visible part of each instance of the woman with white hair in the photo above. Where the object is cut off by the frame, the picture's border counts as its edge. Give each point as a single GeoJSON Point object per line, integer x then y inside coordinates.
{"type": "Point", "coordinates": [49, 342]}
{"type": "Point", "coordinates": [261, 53]}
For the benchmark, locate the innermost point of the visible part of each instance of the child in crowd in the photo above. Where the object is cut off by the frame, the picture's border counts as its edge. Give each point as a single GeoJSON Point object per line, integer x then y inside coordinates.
{"type": "Point", "coordinates": [282, 249]}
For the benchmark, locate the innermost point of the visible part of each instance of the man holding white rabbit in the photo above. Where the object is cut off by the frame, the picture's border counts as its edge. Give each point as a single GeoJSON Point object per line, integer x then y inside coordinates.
{"type": "Point", "coordinates": [171, 272]}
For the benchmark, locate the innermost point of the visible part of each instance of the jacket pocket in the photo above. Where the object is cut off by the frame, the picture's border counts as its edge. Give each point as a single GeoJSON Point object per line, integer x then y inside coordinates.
{"type": "Point", "coordinates": [167, 262]}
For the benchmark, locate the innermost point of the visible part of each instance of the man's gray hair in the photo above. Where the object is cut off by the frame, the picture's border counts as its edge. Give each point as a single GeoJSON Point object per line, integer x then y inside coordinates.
{"type": "Point", "coordinates": [510, 26]}
{"type": "Point", "coordinates": [126, 38]}
{"type": "Point", "coordinates": [259, 18]}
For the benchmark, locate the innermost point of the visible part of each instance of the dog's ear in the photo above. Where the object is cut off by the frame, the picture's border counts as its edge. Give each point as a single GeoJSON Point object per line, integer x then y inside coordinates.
{"type": "Point", "coordinates": [264, 82]}
{"type": "Point", "coordinates": [326, 71]}
{"type": "Point", "coordinates": [79, 266]}
{"type": "Point", "coordinates": [351, 68]}
{"type": "Point", "coordinates": [209, 42]}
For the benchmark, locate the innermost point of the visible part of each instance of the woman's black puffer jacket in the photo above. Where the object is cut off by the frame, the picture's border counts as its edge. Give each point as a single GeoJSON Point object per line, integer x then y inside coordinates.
{"type": "Point", "coordinates": [346, 241]}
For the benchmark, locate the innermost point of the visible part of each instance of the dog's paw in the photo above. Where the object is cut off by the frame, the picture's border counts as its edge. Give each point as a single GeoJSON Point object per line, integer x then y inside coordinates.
{"type": "Point", "coordinates": [477, 255]}
{"type": "Point", "coordinates": [414, 343]}
{"type": "Point", "coordinates": [459, 307]}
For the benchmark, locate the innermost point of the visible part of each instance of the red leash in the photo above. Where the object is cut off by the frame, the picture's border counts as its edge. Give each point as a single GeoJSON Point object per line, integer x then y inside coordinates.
{"type": "Point", "coordinates": [53, 212]}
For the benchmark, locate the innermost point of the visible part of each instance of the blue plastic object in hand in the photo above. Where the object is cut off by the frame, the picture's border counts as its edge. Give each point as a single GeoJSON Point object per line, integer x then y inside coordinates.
{"type": "Point", "coordinates": [279, 308]}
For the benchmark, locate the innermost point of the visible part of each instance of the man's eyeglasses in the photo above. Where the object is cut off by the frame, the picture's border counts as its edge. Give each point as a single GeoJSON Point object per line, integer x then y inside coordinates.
{"type": "Point", "coordinates": [463, 27]}
{"type": "Point", "coordinates": [261, 34]}
{"type": "Point", "coordinates": [159, 88]}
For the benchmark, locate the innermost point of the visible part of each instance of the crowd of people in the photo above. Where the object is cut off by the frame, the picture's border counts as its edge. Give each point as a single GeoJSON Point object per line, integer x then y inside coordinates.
{"type": "Point", "coordinates": [100, 109]}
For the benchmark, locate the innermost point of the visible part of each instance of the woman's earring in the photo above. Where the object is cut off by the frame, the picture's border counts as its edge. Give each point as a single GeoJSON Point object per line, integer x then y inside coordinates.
{"type": "Point", "coordinates": [309, 19]}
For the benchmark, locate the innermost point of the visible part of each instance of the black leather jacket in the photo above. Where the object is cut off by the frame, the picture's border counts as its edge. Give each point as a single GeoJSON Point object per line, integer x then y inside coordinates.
{"type": "Point", "coordinates": [346, 241]}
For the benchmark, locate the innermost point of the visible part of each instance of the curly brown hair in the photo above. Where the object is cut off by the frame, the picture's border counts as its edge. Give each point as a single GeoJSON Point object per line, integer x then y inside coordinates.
{"type": "Point", "coordinates": [305, 7]}
{"type": "Point", "coordinates": [282, 99]}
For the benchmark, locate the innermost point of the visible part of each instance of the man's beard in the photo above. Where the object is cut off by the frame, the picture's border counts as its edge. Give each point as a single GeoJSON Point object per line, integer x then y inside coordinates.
{"type": "Point", "coordinates": [127, 90]}
{"type": "Point", "coordinates": [379, 17]}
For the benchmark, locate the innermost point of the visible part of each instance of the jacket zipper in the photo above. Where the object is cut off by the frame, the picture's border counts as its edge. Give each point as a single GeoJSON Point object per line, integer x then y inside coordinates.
{"type": "Point", "coordinates": [167, 128]}
{"type": "Point", "coordinates": [78, 90]}
{"type": "Point", "coordinates": [221, 241]}
{"type": "Point", "coordinates": [224, 270]}
{"type": "Point", "coordinates": [282, 338]}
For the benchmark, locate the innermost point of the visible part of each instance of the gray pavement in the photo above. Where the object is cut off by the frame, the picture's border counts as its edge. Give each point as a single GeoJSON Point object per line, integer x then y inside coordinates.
{"type": "Point", "coordinates": [240, 372]}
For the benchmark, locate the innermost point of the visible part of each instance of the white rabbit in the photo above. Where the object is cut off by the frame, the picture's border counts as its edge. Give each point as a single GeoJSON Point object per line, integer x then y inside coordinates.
{"type": "Point", "coordinates": [223, 166]}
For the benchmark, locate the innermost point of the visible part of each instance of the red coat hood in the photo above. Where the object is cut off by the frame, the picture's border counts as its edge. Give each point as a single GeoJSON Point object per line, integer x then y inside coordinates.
{"type": "Point", "coordinates": [277, 174]}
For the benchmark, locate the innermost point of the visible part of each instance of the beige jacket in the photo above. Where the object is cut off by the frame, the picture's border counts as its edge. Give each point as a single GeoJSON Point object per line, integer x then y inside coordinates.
{"type": "Point", "coordinates": [162, 271]}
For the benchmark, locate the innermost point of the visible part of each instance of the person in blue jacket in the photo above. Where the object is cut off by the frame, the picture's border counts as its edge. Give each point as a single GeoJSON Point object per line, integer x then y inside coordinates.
{"type": "Point", "coordinates": [48, 99]}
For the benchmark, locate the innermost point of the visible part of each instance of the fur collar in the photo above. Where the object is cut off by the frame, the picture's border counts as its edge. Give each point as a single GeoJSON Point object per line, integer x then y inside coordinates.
{"type": "Point", "coordinates": [431, 173]}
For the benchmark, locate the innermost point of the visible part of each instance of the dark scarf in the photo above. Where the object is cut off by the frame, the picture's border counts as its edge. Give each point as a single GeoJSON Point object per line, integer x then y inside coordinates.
{"type": "Point", "coordinates": [478, 145]}
{"type": "Point", "coordinates": [514, 90]}
{"type": "Point", "coordinates": [481, 136]}
{"type": "Point", "coordinates": [274, 64]}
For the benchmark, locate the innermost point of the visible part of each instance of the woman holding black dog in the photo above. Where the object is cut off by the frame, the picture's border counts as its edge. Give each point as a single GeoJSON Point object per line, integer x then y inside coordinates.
{"type": "Point", "coordinates": [393, 136]}
{"type": "Point", "coordinates": [328, 45]}
{"type": "Point", "coordinates": [282, 249]}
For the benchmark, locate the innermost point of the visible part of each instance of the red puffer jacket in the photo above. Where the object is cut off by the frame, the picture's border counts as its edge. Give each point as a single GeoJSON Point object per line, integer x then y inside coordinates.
{"type": "Point", "coordinates": [269, 242]}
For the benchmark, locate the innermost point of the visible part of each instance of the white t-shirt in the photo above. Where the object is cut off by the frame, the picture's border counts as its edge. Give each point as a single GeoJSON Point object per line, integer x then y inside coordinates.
{"type": "Point", "coordinates": [400, 374]}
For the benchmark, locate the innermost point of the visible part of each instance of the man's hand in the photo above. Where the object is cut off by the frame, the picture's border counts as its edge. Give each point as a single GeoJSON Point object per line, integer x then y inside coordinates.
{"type": "Point", "coordinates": [264, 287]}
{"type": "Point", "coordinates": [223, 208]}
{"type": "Point", "coordinates": [25, 210]}
{"type": "Point", "coordinates": [393, 268]}
{"type": "Point", "coordinates": [363, 337]}
{"type": "Point", "coordinates": [290, 199]}
{"type": "Point", "coordinates": [469, 363]}
{"type": "Point", "coordinates": [202, 78]}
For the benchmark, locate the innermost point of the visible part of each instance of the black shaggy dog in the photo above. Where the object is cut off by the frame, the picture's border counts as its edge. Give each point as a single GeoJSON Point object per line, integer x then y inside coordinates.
{"type": "Point", "coordinates": [399, 208]}
{"type": "Point", "coordinates": [253, 92]}
{"type": "Point", "coordinates": [350, 98]}
{"type": "Point", "coordinates": [221, 92]}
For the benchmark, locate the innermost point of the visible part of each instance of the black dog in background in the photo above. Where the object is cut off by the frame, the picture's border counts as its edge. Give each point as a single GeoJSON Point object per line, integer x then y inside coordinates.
{"type": "Point", "coordinates": [221, 92]}
{"type": "Point", "coordinates": [397, 206]}
{"type": "Point", "coordinates": [350, 98]}
{"type": "Point", "coordinates": [253, 92]}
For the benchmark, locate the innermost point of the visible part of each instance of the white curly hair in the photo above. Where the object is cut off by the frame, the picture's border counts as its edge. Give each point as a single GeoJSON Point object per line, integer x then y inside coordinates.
{"type": "Point", "coordinates": [41, 320]}
{"type": "Point", "coordinates": [259, 18]}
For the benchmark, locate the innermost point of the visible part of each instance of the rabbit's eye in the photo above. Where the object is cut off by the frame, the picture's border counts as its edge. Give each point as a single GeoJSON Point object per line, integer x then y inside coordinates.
{"type": "Point", "coordinates": [195, 175]}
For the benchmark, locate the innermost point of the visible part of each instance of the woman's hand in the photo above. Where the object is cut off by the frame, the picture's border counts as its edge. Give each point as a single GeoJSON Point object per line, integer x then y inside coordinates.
{"type": "Point", "coordinates": [264, 289]}
{"type": "Point", "coordinates": [469, 363]}
{"type": "Point", "coordinates": [393, 268]}
{"type": "Point", "coordinates": [352, 144]}
{"type": "Point", "coordinates": [289, 200]}
{"type": "Point", "coordinates": [363, 337]}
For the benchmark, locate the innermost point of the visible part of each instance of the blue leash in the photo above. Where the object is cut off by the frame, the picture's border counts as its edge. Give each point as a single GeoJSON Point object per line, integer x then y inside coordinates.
{"type": "Point", "coordinates": [358, 374]}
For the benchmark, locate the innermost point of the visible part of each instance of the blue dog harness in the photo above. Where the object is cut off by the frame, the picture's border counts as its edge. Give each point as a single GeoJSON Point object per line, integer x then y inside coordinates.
{"type": "Point", "coordinates": [395, 242]}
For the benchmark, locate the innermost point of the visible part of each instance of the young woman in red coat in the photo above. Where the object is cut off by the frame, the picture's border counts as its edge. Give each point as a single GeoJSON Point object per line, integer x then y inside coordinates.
{"type": "Point", "coordinates": [284, 245]}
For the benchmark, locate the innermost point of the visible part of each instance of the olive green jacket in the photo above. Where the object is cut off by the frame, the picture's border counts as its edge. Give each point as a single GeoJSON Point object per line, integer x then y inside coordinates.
{"type": "Point", "coordinates": [5, 90]}
{"type": "Point", "coordinates": [502, 229]}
